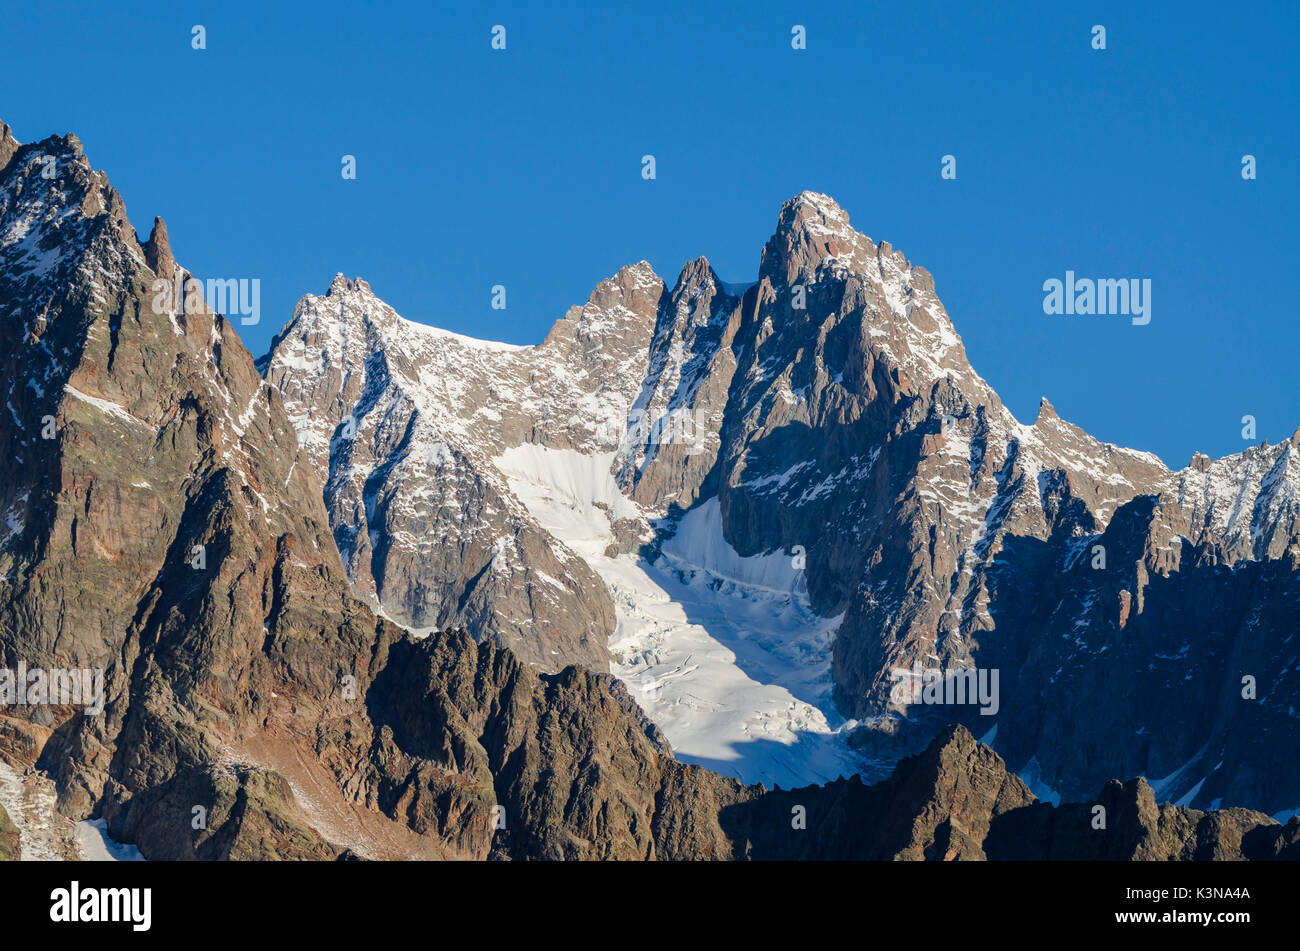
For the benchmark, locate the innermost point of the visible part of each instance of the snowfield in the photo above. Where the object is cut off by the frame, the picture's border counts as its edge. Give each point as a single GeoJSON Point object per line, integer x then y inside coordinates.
{"type": "Point", "coordinates": [722, 652]}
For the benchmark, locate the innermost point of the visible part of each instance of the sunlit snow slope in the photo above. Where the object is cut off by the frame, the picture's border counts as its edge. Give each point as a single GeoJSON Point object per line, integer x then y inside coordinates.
{"type": "Point", "coordinates": [721, 651]}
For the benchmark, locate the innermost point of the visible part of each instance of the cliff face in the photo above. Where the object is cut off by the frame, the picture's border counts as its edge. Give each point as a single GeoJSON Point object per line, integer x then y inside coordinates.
{"type": "Point", "coordinates": [151, 533]}
{"type": "Point", "coordinates": [1124, 605]}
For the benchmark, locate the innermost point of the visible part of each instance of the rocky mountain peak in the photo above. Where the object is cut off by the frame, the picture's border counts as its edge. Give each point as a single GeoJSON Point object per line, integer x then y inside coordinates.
{"type": "Point", "coordinates": [631, 285]}
{"type": "Point", "coordinates": [813, 234]}
{"type": "Point", "coordinates": [352, 300]}
{"type": "Point", "coordinates": [58, 217]}
{"type": "Point", "coordinates": [623, 306]}
{"type": "Point", "coordinates": [8, 145]}
{"type": "Point", "coordinates": [639, 273]}
{"type": "Point", "coordinates": [815, 212]}
{"type": "Point", "coordinates": [172, 470]}
{"type": "Point", "coordinates": [691, 296]}
{"type": "Point", "coordinates": [158, 251]}
{"type": "Point", "coordinates": [341, 286]}
{"type": "Point", "coordinates": [697, 273]}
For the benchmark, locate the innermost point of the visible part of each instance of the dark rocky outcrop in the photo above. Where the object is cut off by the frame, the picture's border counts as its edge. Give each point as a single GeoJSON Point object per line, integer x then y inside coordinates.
{"type": "Point", "coordinates": [10, 847]}
{"type": "Point", "coordinates": [956, 801]}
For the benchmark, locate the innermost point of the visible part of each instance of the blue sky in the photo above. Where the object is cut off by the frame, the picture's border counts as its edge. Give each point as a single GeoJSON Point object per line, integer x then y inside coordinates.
{"type": "Point", "coordinates": [522, 167]}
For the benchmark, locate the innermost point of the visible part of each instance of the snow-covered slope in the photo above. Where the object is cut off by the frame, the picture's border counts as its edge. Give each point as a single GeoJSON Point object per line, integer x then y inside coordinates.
{"type": "Point", "coordinates": [722, 652]}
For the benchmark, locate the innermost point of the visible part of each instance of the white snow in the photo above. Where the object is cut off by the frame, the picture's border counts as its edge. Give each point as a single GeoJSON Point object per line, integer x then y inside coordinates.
{"type": "Point", "coordinates": [722, 652]}
{"type": "Point", "coordinates": [568, 492]}
{"type": "Point", "coordinates": [699, 546]}
{"type": "Point", "coordinates": [473, 342]}
{"type": "Point", "coordinates": [105, 406]}
{"type": "Point", "coordinates": [737, 678]}
{"type": "Point", "coordinates": [97, 846]}
{"type": "Point", "coordinates": [31, 808]}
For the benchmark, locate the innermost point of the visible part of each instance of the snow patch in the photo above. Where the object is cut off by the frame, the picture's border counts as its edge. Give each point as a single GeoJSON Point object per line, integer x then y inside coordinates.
{"type": "Point", "coordinates": [98, 846]}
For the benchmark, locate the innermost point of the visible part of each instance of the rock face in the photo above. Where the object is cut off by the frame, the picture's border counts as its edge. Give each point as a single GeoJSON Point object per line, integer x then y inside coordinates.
{"type": "Point", "coordinates": [1109, 592]}
{"type": "Point", "coordinates": [148, 533]}
{"type": "Point", "coordinates": [164, 526]}
{"type": "Point", "coordinates": [669, 449]}
{"type": "Point", "coordinates": [10, 848]}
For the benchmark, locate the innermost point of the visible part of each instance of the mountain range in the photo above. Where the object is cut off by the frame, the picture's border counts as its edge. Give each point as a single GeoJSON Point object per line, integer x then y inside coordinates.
{"type": "Point", "coordinates": [640, 591]}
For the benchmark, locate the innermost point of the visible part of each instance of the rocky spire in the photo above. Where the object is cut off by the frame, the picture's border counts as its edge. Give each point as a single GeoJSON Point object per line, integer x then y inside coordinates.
{"type": "Point", "coordinates": [696, 273]}
{"type": "Point", "coordinates": [8, 145]}
{"type": "Point", "coordinates": [158, 251]}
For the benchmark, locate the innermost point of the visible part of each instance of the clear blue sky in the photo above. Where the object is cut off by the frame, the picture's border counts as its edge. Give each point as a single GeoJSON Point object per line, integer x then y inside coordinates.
{"type": "Point", "coordinates": [522, 167]}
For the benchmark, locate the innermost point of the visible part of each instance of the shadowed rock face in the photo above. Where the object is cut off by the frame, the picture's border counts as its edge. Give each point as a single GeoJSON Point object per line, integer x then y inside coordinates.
{"type": "Point", "coordinates": [956, 801]}
{"type": "Point", "coordinates": [10, 848]}
{"type": "Point", "coordinates": [165, 526]}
